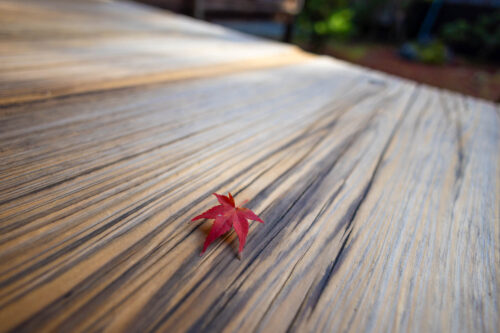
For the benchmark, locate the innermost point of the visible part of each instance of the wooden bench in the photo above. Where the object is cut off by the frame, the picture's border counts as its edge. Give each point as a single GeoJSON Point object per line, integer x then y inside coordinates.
{"type": "Point", "coordinates": [117, 122]}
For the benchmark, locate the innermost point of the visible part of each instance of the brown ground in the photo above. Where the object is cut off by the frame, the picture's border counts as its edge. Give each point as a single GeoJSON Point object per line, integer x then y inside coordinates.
{"type": "Point", "coordinates": [476, 80]}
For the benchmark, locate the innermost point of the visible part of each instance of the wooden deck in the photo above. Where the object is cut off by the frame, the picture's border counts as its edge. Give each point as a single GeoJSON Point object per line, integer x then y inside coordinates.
{"type": "Point", "coordinates": [117, 122]}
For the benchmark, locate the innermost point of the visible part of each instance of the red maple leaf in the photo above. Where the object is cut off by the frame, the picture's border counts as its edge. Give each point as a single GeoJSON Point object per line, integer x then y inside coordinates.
{"type": "Point", "coordinates": [226, 215]}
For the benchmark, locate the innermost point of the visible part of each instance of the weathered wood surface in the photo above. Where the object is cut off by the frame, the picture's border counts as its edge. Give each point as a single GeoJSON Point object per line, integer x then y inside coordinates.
{"type": "Point", "coordinates": [381, 197]}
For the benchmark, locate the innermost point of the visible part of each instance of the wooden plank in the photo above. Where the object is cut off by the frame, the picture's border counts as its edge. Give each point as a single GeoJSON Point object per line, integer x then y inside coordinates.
{"type": "Point", "coordinates": [432, 254]}
{"type": "Point", "coordinates": [51, 49]}
{"type": "Point", "coordinates": [381, 197]}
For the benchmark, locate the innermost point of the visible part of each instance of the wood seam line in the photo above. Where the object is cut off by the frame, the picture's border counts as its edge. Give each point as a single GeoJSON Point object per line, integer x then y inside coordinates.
{"type": "Point", "coordinates": [294, 56]}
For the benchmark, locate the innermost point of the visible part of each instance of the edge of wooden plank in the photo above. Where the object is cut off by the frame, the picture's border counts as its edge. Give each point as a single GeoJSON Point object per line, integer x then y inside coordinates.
{"type": "Point", "coordinates": [294, 56]}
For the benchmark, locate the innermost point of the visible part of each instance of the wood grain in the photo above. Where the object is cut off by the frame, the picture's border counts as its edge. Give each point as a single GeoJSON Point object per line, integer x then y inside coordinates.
{"type": "Point", "coordinates": [381, 197]}
{"type": "Point", "coordinates": [51, 49]}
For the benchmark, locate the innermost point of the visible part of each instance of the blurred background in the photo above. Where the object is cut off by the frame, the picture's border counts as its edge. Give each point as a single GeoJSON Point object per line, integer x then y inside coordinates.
{"type": "Point", "coordinates": [451, 44]}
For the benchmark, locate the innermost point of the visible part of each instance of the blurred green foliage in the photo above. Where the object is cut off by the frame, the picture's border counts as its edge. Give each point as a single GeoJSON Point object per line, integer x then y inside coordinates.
{"type": "Point", "coordinates": [480, 38]}
{"type": "Point", "coordinates": [343, 18]}
{"type": "Point", "coordinates": [382, 20]}
{"type": "Point", "coordinates": [338, 24]}
{"type": "Point", "coordinates": [433, 52]}
{"type": "Point", "coordinates": [314, 17]}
